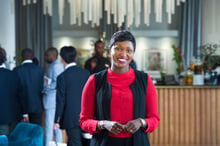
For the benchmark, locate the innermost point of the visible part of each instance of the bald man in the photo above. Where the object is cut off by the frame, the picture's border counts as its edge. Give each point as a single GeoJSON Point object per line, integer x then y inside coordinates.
{"type": "Point", "coordinates": [49, 99]}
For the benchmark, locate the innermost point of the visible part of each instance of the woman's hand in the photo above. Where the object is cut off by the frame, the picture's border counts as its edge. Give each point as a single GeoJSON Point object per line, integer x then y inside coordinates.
{"type": "Point", "coordinates": [113, 127]}
{"type": "Point", "coordinates": [133, 126]}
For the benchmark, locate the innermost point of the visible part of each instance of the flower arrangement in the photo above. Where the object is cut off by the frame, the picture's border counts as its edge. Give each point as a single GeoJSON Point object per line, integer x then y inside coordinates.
{"type": "Point", "coordinates": [177, 57]}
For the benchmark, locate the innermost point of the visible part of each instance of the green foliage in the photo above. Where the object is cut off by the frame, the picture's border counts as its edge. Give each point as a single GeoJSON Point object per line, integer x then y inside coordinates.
{"type": "Point", "coordinates": [18, 57]}
{"type": "Point", "coordinates": [207, 54]}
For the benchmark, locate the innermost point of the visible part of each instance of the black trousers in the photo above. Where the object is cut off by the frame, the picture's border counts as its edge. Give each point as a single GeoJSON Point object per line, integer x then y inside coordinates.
{"type": "Point", "coordinates": [112, 141]}
{"type": "Point", "coordinates": [85, 142]}
{"type": "Point", "coordinates": [74, 136]}
{"type": "Point", "coordinates": [35, 118]}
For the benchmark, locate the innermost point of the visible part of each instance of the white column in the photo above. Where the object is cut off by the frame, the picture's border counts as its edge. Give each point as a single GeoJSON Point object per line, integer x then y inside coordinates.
{"type": "Point", "coordinates": [61, 10]}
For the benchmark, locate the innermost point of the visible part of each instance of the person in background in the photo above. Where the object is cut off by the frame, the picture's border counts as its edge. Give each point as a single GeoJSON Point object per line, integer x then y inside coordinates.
{"type": "Point", "coordinates": [119, 104]}
{"type": "Point", "coordinates": [70, 84]}
{"type": "Point", "coordinates": [4, 57]}
{"type": "Point", "coordinates": [10, 108]}
{"type": "Point", "coordinates": [49, 98]}
{"type": "Point", "coordinates": [97, 62]}
{"type": "Point", "coordinates": [32, 80]}
{"type": "Point", "coordinates": [133, 64]}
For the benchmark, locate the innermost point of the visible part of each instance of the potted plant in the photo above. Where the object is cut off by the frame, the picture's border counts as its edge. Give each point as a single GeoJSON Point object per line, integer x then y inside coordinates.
{"type": "Point", "coordinates": [208, 52]}
{"type": "Point", "coordinates": [177, 57]}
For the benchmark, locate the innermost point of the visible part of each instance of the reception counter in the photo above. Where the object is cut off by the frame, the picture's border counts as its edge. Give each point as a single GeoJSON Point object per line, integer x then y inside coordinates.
{"type": "Point", "coordinates": [190, 115]}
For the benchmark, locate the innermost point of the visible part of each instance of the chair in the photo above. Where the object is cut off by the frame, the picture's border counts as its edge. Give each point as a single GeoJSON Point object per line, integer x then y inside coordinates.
{"type": "Point", "coordinates": [3, 140]}
{"type": "Point", "coordinates": [26, 134]}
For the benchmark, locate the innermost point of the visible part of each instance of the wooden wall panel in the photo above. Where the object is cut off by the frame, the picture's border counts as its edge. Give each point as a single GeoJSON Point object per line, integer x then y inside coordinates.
{"type": "Point", "coordinates": [197, 116]}
{"type": "Point", "coordinates": [218, 117]}
{"type": "Point", "coordinates": [189, 115]}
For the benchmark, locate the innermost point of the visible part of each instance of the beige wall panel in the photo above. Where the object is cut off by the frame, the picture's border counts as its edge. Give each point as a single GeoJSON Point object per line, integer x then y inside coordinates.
{"type": "Point", "coordinates": [190, 115]}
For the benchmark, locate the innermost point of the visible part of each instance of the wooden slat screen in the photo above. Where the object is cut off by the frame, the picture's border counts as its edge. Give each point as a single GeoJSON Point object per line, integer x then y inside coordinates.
{"type": "Point", "coordinates": [189, 116]}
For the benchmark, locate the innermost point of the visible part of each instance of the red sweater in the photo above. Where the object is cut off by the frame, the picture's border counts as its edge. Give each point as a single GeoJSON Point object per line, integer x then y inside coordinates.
{"type": "Point", "coordinates": [121, 103]}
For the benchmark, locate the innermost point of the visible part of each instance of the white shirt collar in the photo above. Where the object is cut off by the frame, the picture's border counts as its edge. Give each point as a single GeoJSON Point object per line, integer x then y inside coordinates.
{"type": "Point", "coordinates": [3, 65]}
{"type": "Point", "coordinates": [27, 61]}
{"type": "Point", "coordinates": [70, 64]}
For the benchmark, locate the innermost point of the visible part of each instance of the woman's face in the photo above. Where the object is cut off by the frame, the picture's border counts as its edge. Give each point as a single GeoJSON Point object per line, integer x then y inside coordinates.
{"type": "Point", "coordinates": [122, 54]}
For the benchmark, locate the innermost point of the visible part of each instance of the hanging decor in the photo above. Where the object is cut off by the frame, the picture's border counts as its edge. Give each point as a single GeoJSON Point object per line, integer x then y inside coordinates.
{"type": "Point", "coordinates": [123, 11]}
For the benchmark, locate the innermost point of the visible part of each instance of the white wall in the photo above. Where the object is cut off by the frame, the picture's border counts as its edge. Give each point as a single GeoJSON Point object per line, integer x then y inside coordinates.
{"type": "Point", "coordinates": [211, 21]}
{"type": "Point", "coordinates": [78, 39]}
{"type": "Point", "coordinates": [79, 43]}
{"type": "Point", "coordinates": [7, 29]}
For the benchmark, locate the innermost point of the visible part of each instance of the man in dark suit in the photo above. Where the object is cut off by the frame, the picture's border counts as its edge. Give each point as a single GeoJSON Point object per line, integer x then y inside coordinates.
{"type": "Point", "coordinates": [70, 84]}
{"type": "Point", "coordinates": [32, 79]}
{"type": "Point", "coordinates": [98, 62]}
{"type": "Point", "coordinates": [9, 98]}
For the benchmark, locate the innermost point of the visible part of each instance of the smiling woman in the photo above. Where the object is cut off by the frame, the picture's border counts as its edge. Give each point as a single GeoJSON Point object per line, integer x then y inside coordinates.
{"type": "Point", "coordinates": [123, 100]}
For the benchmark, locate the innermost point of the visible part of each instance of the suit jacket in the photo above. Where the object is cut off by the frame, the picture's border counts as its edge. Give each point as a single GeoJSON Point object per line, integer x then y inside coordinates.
{"type": "Point", "coordinates": [10, 109]}
{"type": "Point", "coordinates": [49, 99]}
{"type": "Point", "coordinates": [101, 64]}
{"type": "Point", "coordinates": [70, 84]}
{"type": "Point", "coordinates": [32, 79]}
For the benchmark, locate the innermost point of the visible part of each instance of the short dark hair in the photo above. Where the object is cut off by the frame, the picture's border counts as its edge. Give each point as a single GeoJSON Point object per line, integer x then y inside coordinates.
{"type": "Point", "coordinates": [68, 53]}
{"type": "Point", "coordinates": [1, 58]}
{"type": "Point", "coordinates": [53, 49]}
{"type": "Point", "coordinates": [27, 53]}
{"type": "Point", "coordinates": [3, 53]}
{"type": "Point", "coordinates": [35, 61]}
{"type": "Point", "coordinates": [120, 36]}
{"type": "Point", "coordinates": [98, 41]}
